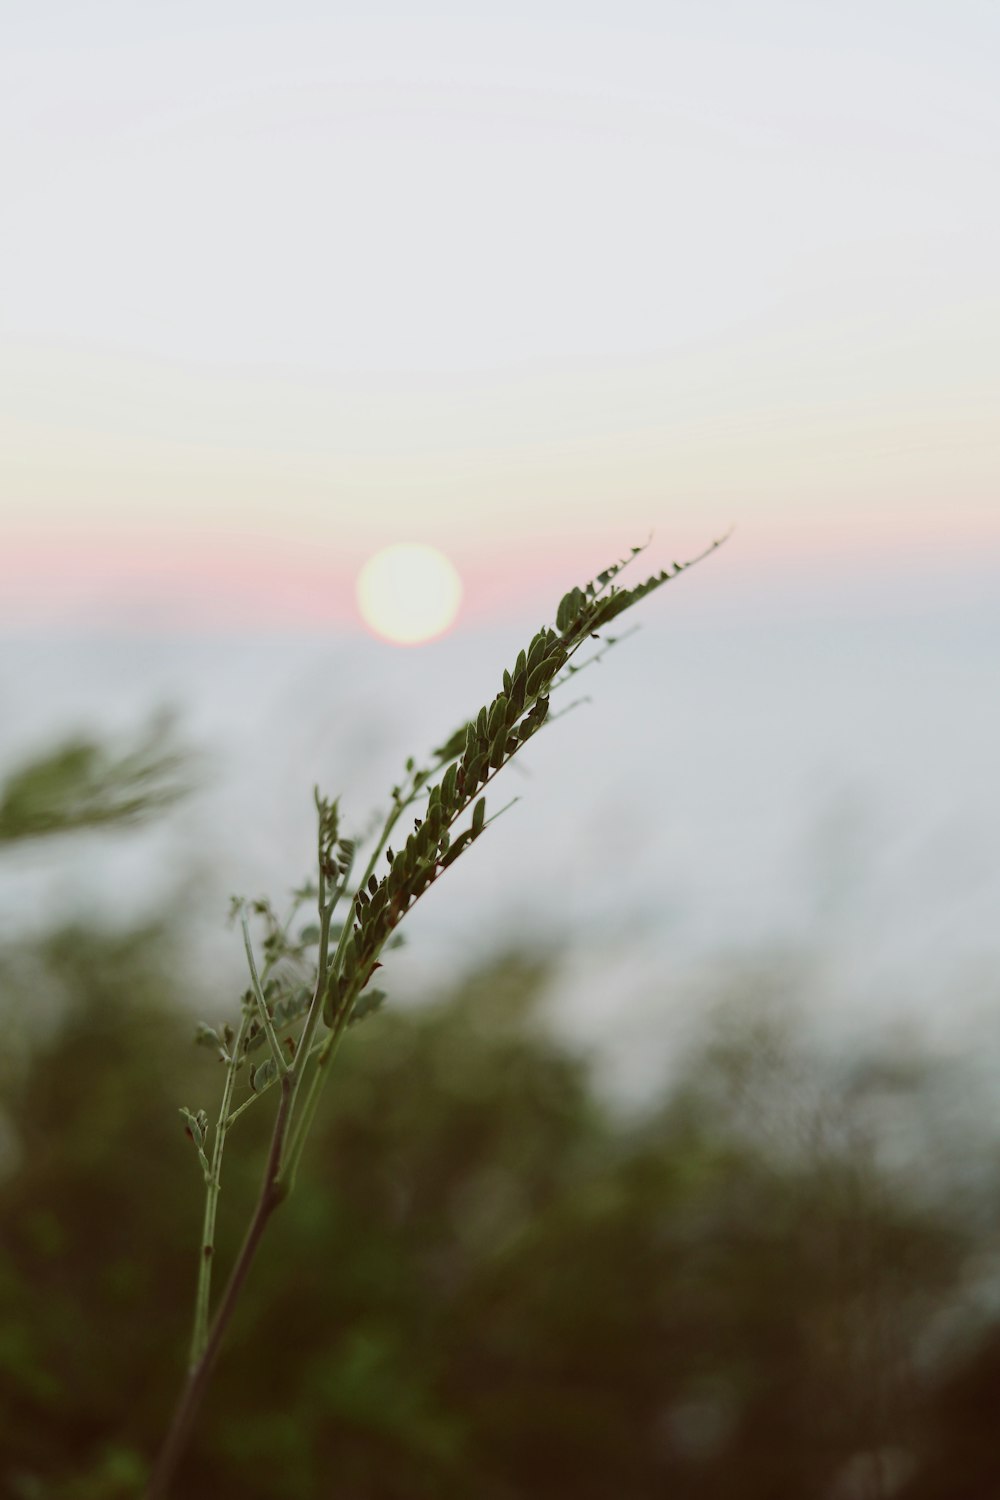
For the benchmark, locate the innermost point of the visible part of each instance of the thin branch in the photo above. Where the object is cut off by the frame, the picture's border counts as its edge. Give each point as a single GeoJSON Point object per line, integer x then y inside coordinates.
{"type": "Point", "coordinates": [272, 1193]}
{"type": "Point", "coordinates": [213, 1186]}
{"type": "Point", "coordinates": [265, 1014]}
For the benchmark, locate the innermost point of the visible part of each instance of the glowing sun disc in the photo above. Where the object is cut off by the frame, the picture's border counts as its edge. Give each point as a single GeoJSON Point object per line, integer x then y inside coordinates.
{"type": "Point", "coordinates": [408, 593]}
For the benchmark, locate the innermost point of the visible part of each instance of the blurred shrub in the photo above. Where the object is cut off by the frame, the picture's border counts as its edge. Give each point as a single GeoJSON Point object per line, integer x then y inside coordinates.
{"type": "Point", "coordinates": [83, 784]}
{"type": "Point", "coordinates": [488, 1285]}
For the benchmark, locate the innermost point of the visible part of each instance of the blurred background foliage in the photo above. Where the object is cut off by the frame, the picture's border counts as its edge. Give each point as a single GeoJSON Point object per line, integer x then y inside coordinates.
{"type": "Point", "coordinates": [778, 1279]}
{"type": "Point", "coordinates": [84, 783]}
{"type": "Point", "coordinates": [490, 1283]}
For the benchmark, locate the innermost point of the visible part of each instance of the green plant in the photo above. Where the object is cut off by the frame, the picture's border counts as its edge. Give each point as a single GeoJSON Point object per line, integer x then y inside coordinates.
{"type": "Point", "coordinates": [315, 983]}
{"type": "Point", "coordinates": [85, 785]}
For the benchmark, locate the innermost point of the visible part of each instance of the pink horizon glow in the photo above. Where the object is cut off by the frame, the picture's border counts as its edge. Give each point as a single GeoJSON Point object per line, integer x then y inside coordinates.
{"type": "Point", "coordinates": [220, 581]}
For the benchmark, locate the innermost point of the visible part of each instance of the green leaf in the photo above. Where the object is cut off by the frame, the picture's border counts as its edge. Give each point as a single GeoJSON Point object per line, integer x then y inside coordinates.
{"type": "Point", "coordinates": [462, 842]}
{"type": "Point", "coordinates": [367, 1003]}
{"type": "Point", "coordinates": [263, 1075]}
{"type": "Point", "coordinates": [570, 607]}
{"type": "Point", "coordinates": [291, 1007]}
{"type": "Point", "coordinates": [452, 746]}
{"type": "Point", "coordinates": [499, 747]}
{"type": "Point", "coordinates": [537, 651]}
{"type": "Point", "coordinates": [542, 674]}
{"type": "Point", "coordinates": [497, 715]}
{"type": "Point", "coordinates": [474, 773]}
{"type": "Point", "coordinates": [195, 1126]}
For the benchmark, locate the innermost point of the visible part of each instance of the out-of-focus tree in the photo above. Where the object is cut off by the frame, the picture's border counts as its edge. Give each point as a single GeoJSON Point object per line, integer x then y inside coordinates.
{"type": "Point", "coordinates": [494, 1285]}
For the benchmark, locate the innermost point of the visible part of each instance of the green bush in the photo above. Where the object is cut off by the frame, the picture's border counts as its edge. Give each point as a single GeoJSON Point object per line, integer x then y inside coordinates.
{"type": "Point", "coordinates": [492, 1286]}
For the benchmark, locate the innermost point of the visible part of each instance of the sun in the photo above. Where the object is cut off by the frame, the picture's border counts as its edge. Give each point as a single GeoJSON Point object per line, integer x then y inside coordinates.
{"type": "Point", "coordinates": [408, 593]}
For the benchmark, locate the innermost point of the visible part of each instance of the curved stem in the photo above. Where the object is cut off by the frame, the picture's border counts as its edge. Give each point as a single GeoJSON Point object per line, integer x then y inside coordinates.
{"type": "Point", "coordinates": [213, 1186]}
{"type": "Point", "coordinates": [284, 1154]}
{"type": "Point", "coordinates": [272, 1193]}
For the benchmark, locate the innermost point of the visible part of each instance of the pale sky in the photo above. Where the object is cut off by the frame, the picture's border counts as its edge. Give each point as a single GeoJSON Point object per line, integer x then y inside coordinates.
{"type": "Point", "coordinates": [281, 287]}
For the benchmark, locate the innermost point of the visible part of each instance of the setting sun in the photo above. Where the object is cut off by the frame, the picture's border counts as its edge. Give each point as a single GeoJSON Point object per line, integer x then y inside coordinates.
{"type": "Point", "coordinates": [408, 593]}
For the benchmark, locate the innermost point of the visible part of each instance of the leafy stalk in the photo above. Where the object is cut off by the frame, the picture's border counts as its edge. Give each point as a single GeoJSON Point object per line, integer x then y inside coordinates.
{"type": "Point", "coordinates": [231, 1047]}
{"type": "Point", "coordinates": [339, 994]}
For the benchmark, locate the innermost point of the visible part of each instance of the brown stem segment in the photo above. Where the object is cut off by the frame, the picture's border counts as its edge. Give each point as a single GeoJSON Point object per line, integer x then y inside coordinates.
{"type": "Point", "coordinates": [272, 1192]}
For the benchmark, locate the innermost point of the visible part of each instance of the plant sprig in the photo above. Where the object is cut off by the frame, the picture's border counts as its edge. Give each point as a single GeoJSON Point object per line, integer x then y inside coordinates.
{"type": "Point", "coordinates": [303, 1021]}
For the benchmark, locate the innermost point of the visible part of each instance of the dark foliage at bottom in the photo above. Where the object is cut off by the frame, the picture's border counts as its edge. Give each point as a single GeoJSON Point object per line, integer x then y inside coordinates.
{"type": "Point", "coordinates": [486, 1284]}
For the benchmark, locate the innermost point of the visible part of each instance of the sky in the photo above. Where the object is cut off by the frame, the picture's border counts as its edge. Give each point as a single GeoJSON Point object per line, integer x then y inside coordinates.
{"type": "Point", "coordinates": [282, 287]}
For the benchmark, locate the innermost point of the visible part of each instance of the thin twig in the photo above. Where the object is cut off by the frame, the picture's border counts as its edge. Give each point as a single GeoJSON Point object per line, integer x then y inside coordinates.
{"type": "Point", "coordinates": [265, 1014]}
{"type": "Point", "coordinates": [272, 1193]}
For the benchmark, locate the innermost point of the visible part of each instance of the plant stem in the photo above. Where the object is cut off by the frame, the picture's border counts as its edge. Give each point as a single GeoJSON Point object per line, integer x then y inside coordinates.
{"type": "Point", "coordinates": [272, 1193]}
{"type": "Point", "coordinates": [328, 1051]}
{"type": "Point", "coordinates": [287, 1144]}
{"type": "Point", "coordinates": [325, 1055]}
{"type": "Point", "coordinates": [304, 1115]}
{"type": "Point", "coordinates": [213, 1186]}
{"type": "Point", "coordinates": [265, 1014]}
{"type": "Point", "coordinates": [325, 1052]}
{"type": "Point", "coordinates": [302, 1051]}
{"type": "Point", "coordinates": [213, 1175]}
